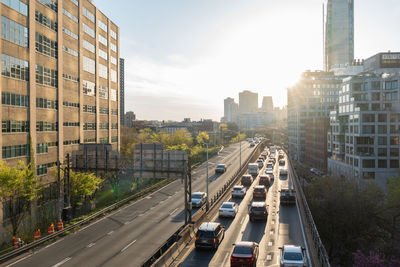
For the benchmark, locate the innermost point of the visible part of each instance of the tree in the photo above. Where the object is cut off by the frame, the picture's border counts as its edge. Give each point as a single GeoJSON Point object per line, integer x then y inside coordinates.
{"type": "Point", "coordinates": [82, 185]}
{"type": "Point", "coordinates": [18, 187]}
{"type": "Point", "coordinates": [202, 137]}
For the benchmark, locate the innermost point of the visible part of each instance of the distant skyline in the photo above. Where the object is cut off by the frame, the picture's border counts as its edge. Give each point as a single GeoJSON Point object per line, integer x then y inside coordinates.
{"type": "Point", "coordinates": [183, 58]}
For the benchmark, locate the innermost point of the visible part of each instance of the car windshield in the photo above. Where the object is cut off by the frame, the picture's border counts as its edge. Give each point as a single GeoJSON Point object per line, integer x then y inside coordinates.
{"type": "Point", "coordinates": [226, 206]}
{"type": "Point", "coordinates": [242, 250]}
{"type": "Point", "coordinates": [293, 256]}
{"type": "Point", "coordinates": [205, 234]}
{"type": "Point", "coordinates": [258, 208]}
{"type": "Point", "coordinates": [196, 196]}
{"type": "Point", "coordinates": [237, 188]}
{"type": "Point", "coordinates": [220, 166]}
{"type": "Point", "coordinates": [258, 189]}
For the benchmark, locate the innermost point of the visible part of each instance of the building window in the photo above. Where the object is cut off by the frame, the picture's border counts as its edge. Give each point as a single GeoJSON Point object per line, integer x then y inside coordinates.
{"type": "Point", "coordinates": [90, 140]}
{"type": "Point", "coordinates": [70, 104]}
{"type": "Point", "coordinates": [114, 139]}
{"type": "Point", "coordinates": [103, 71]}
{"type": "Point", "coordinates": [89, 126]}
{"type": "Point", "coordinates": [113, 47]}
{"type": "Point", "coordinates": [89, 109]}
{"type": "Point", "coordinates": [75, 2]}
{"type": "Point", "coordinates": [87, 29]}
{"type": "Point", "coordinates": [394, 164]}
{"type": "Point", "coordinates": [382, 129]}
{"type": "Point", "coordinates": [103, 92]}
{"type": "Point", "coordinates": [46, 103]}
{"type": "Point", "coordinates": [382, 163]}
{"type": "Point", "coordinates": [88, 14]}
{"type": "Point", "coordinates": [42, 148]}
{"type": "Point", "coordinates": [14, 67]}
{"type": "Point", "coordinates": [390, 85]}
{"type": "Point", "coordinates": [103, 40]}
{"type": "Point", "coordinates": [71, 142]}
{"type": "Point", "coordinates": [103, 54]}
{"type": "Point", "coordinates": [89, 65]}
{"type": "Point", "coordinates": [103, 140]}
{"type": "Point", "coordinates": [69, 15]}
{"type": "Point", "coordinates": [89, 88]}
{"type": "Point", "coordinates": [368, 175]}
{"type": "Point", "coordinates": [70, 124]}
{"type": "Point", "coordinates": [113, 60]}
{"type": "Point", "coordinates": [113, 75]}
{"type": "Point", "coordinates": [70, 77]}
{"type": "Point", "coordinates": [14, 32]}
{"type": "Point", "coordinates": [46, 46]}
{"type": "Point", "coordinates": [15, 126]}
{"type": "Point", "coordinates": [45, 126]}
{"type": "Point", "coordinates": [103, 110]}
{"type": "Point", "coordinates": [45, 21]}
{"type": "Point", "coordinates": [42, 169]}
{"type": "Point", "coordinates": [17, 5]}
{"type": "Point", "coordinates": [88, 46]}
{"type": "Point", "coordinates": [70, 51]}
{"type": "Point", "coordinates": [394, 152]}
{"type": "Point", "coordinates": [114, 125]}
{"type": "Point", "coordinates": [46, 76]}
{"type": "Point", "coordinates": [113, 34]}
{"type": "Point", "coordinates": [69, 33]}
{"type": "Point", "coordinates": [113, 95]}
{"type": "Point", "coordinates": [394, 140]}
{"type": "Point", "coordinates": [368, 163]}
{"type": "Point", "coordinates": [50, 4]}
{"type": "Point", "coordinates": [15, 151]}
{"type": "Point", "coordinates": [103, 126]}
{"type": "Point", "coordinates": [114, 112]}
{"type": "Point", "coordinates": [382, 152]}
{"type": "Point", "coordinates": [102, 26]}
{"type": "Point", "coordinates": [10, 99]}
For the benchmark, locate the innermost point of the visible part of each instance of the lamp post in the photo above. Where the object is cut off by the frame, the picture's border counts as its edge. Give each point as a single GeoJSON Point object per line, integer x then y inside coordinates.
{"type": "Point", "coordinates": [207, 204]}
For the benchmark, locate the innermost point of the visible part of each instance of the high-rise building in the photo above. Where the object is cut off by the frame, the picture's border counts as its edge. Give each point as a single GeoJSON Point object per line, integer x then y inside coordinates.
{"type": "Point", "coordinates": [122, 89]}
{"type": "Point", "coordinates": [59, 82]}
{"type": "Point", "coordinates": [248, 102]}
{"type": "Point", "coordinates": [267, 104]}
{"type": "Point", "coordinates": [130, 117]}
{"type": "Point", "coordinates": [339, 33]}
{"type": "Point", "coordinates": [230, 109]}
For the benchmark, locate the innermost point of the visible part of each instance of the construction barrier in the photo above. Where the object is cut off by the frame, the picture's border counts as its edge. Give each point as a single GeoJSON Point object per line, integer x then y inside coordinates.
{"type": "Point", "coordinates": [60, 225]}
{"type": "Point", "coordinates": [50, 229]}
{"type": "Point", "coordinates": [37, 235]}
{"type": "Point", "coordinates": [17, 242]}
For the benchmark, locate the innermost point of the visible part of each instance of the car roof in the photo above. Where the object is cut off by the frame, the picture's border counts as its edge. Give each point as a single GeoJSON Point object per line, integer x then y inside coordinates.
{"type": "Point", "coordinates": [244, 244]}
{"type": "Point", "coordinates": [208, 226]}
{"type": "Point", "coordinates": [221, 165]}
{"type": "Point", "coordinates": [238, 186]}
{"type": "Point", "coordinates": [258, 204]}
{"type": "Point", "coordinates": [200, 193]}
{"type": "Point", "coordinates": [230, 203]}
{"type": "Point", "coordinates": [246, 175]}
{"type": "Point", "coordinates": [259, 187]}
{"type": "Point", "coordinates": [292, 248]}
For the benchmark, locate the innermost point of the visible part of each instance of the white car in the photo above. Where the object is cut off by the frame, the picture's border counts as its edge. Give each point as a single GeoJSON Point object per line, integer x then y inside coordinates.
{"type": "Point", "coordinates": [269, 171]}
{"type": "Point", "coordinates": [228, 209]}
{"type": "Point", "coordinates": [238, 191]}
{"type": "Point", "coordinates": [293, 256]}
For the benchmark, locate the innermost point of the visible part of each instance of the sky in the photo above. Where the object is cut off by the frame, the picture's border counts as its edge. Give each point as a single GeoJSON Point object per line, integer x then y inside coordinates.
{"type": "Point", "coordinates": [184, 57]}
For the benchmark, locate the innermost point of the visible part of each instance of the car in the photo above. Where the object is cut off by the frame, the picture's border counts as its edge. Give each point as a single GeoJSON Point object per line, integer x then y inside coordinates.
{"type": "Point", "coordinates": [258, 211]}
{"type": "Point", "coordinates": [293, 256]}
{"type": "Point", "coordinates": [265, 180]}
{"type": "Point", "coordinates": [244, 254]}
{"type": "Point", "coordinates": [272, 176]}
{"type": "Point", "coordinates": [283, 171]}
{"type": "Point", "coordinates": [269, 171]}
{"type": "Point", "coordinates": [198, 199]}
{"type": "Point", "coordinates": [270, 165]}
{"type": "Point", "coordinates": [260, 163]}
{"type": "Point", "coordinates": [221, 168]}
{"type": "Point", "coordinates": [228, 209]}
{"type": "Point", "coordinates": [273, 160]}
{"type": "Point", "coordinates": [259, 191]}
{"type": "Point", "coordinates": [209, 235]}
{"type": "Point", "coordinates": [252, 144]}
{"type": "Point", "coordinates": [239, 191]}
{"type": "Point", "coordinates": [261, 158]}
{"type": "Point", "coordinates": [282, 162]}
{"type": "Point", "coordinates": [288, 196]}
{"type": "Point", "coordinates": [246, 180]}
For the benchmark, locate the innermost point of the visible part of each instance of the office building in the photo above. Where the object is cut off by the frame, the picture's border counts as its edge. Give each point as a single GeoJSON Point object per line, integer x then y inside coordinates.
{"type": "Point", "coordinates": [339, 33]}
{"type": "Point", "coordinates": [309, 104]}
{"type": "Point", "coordinates": [364, 130]}
{"type": "Point", "coordinates": [122, 89]}
{"type": "Point", "coordinates": [59, 82]}
{"type": "Point", "coordinates": [267, 104]}
{"type": "Point", "coordinates": [248, 102]}
{"type": "Point", "coordinates": [129, 119]}
{"type": "Point", "coordinates": [230, 110]}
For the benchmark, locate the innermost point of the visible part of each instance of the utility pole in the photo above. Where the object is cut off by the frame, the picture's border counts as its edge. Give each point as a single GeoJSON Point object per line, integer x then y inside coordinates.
{"type": "Point", "coordinates": [188, 191]}
{"type": "Point", "coordinates": [207, 204]}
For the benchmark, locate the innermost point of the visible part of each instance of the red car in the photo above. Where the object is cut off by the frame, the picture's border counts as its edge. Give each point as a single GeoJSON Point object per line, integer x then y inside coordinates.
{"type": "Point", "coordinates": [244, 254]}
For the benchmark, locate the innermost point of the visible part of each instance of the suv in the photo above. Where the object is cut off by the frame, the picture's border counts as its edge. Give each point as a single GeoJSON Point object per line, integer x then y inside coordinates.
{"type": "Point", "coordinates": [221, 168]}
{"type": "Point", "coordinates": [259, 192]}
{"type": "Point", "coordinates": [293, 256]}
{"type": "Point", "coordinates": [265, 180]}
{"type": "Point", "coordinates": [246, 180]}
{"type": "Point", "coordinates": [258, 211]}
{"type": "Point", "coordinates": [209, 235]}
{"type": "Point", "coordinates": [288, 196]}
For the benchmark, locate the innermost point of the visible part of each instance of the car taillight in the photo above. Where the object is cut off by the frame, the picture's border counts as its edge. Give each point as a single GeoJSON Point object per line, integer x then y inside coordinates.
{"type": "Point", "coordinates": [265, 212]}
{"type": "Point", "coordinates": [215, 240]}
{"type": "Point", "coordinates": [195, 238]}
{"type": "Point", "coordinates": [234, 258]}
{"type": "Point", "coordinates": [251, 212]}
{"type": "Point", "coordinates": [251, 259]}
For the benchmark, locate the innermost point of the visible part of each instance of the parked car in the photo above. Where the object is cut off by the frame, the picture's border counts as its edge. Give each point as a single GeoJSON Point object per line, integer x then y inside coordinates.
{"type": "Point", "coordinates": [293, 256]}
{"type": "Point", "coordinates": [288, 196]}
{"type": "Point", "coordinates": [244, 254]}
{"type": "Point", "coordinates": [228, 209]}
{"type": "Point", "coordinates": [198, 199]}
{"type": "Point", "coordinates": [239, 191]}
{"type": "Point", "coordinates": [221, 168]}
{"type": "Point", "coordinates": [246, 180]}
{"type": "Point", "coordinates": [265, 180]}
{"type": "Point", "coordinates": [260, 192]}
{"type": "Point", "coordinates": [209, 235]}
{"type": "Point", "coordinates": [258, 211]}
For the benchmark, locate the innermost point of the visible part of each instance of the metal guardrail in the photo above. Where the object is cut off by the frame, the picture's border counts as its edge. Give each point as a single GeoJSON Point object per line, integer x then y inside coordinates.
{"type": "Point", "coordinates": [165, 251]}
{"type": "Point", "coordinates": [44, 239]}
{"type": "Point", "coordinates": [319, 246]}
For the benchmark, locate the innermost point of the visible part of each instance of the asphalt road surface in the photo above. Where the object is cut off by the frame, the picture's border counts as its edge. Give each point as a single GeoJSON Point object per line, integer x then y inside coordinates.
{"type": "Point", "coordinates": [130, 235]}
{"type": "Point", "coordinates": [283, 226]}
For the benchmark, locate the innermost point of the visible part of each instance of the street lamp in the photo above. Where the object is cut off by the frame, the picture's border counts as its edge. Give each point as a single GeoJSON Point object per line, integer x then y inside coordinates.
{"type": "Point", "coordinates": [207, 204]}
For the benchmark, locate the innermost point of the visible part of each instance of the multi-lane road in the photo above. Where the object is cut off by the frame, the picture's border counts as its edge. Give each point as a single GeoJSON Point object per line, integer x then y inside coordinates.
{"type": "Point", "coordinates": [130, 235]}
{"type": "Point", "coordinates": [283, 226]}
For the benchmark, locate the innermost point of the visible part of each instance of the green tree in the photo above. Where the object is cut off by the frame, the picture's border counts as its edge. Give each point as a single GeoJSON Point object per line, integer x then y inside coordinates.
{"type": "Point", "coordinates": [18, 187]}
{"type": "Point", "coordinates": [82, 185]}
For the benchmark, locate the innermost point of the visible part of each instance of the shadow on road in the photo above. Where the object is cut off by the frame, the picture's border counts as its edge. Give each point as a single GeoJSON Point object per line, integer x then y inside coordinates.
{"type": "Point", "coordinates": [254, 231]}
{"type": "Point", "coordinates": [198, 257]}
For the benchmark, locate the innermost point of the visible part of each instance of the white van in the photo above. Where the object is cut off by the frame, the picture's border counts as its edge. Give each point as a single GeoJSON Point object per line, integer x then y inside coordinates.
{"type": "Point", "coordinates": [253, 169]}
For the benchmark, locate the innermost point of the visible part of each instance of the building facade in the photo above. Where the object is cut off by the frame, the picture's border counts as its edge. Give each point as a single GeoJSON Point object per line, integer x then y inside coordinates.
{"type": "Point", "coordinates": [129, 118]}
{"type": "Point", "coordinates": [248, 102]}
{"type": "Point", "coordinates": [122, 89]}
{"type": "Point", "coordinates": [267, 104]}
{"type": "Point", "coordinates": [230, 109]}
{"type": "Point", "coordinates": [309, 104]}
{"type": "Point", "coordinates": [339, 33]}
{"type": "Point", "coordinates": [59, 82]}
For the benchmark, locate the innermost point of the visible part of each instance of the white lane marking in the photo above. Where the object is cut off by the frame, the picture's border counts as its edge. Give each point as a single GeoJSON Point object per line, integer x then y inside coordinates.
{"type": "Point", "coordinates": [110, 233]}
{"type": "Point", "coordinates": [90, 245]}
{"type": "Point", "coordinates": [273, 222]}
{"type": "Point", "coordinates": [21, 259]}
{"type": "Point", "coordinates": [225, 258]}
{"type": "Point", "coordinates": [49, 245]}
{"type": "Point", "coordinates": [141, 214]}
{"type": "Point", "coordinates": [152, 208]}
{"type": "Point", "coordinates": [62, 262]}
{"type": "Point", "coordinates": [271, 232]}
{"type": "Point", "coordinates": [127, 246]}
{"type": "Point", "coordinates": [148, 197]}
{"type": "Point", "coordinates": [128, 222]}
{"type": "Point", "coordinates": [173, 211]}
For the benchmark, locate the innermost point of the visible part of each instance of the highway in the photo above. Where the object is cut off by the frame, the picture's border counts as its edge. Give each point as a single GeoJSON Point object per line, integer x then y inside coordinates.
{"type": "Point", "coordinates": [130, 235]}
{"type": "Point", "coordinates": [283, 226]}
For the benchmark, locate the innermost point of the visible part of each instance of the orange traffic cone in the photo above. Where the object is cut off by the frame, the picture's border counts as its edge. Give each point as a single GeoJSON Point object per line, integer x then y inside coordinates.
{"type": "Point", "coordinates": [37, 235]}
{"type": "Point", "coordinates": [50, 229]}
{"type": "Point", "coordinates": [60, 225]}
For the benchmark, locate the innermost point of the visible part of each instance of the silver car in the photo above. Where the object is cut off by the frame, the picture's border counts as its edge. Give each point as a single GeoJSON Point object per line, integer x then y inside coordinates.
{"type": "Point", "coordinates": [198, 199]}
{"type": "Point", "coordinates": [239, 191]}
{"type": "Point", "coordinates": [293, 256]}
{"type": "Point", "coordinates": [228, 209]}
